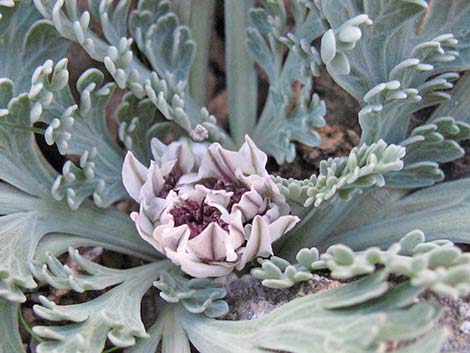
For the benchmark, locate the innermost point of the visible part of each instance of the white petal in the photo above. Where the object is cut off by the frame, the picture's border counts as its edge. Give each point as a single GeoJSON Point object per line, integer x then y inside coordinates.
{"type": "Point", "coordinates": [185, 179]}
{"type": "Point", "coordinates": [259, 242]}
{"type": "Point", "coordinates": [255, 159]}
{"type": "Point", "coordinates": [215, 198]}
{"type": "Point", "coordinates": [145, 228]}
{"type": "Point", "coordinates": [272, 214]}
{"type": "Point", "coordinates": [234, 241]}
{"type": "Point", "coordinates": [236, 233]}
{"type": "Point", "coordinates": [214, 164]}
{"type": "Point", "coordinates": [158, 149]}
{"type": "Point", "coordinates": [199, 269]}
{"type": "Point", "coordinates": [281, 226]}
{"type": "Point", "coordinates": [210, 244]}
{"type": "Point", "coordinates": [169, 237]}
{"type": "Point", "coordinates": [182, 154]}
{"type": "Point", "coordinates": [251, 203]}
{"type": "Point", "coordinates": [176, 151]}
{"type": "Point", "coordinates": [153, 183]}
{"type": "Point", "coordinates": [158, 205]}
{"type": "Point", "coordinates": [134, 175]}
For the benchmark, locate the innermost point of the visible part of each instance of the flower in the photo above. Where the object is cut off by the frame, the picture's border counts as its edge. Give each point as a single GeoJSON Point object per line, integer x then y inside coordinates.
{"type": "Point", "coordinates": [208, 209]}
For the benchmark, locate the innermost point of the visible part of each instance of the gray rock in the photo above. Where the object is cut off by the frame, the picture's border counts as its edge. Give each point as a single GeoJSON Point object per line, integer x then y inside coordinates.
{"type": "Point", "coordinates": [456, 318]}
{"type": "Point", "coordinates": [249, 299]}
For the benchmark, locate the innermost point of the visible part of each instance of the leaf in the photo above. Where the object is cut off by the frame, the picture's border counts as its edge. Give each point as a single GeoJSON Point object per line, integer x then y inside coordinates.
{"type": "Point", "coordinates": [114, 315]}
{"type": "Point", "coordinates": [439, 211]}
{"type": "Point", "coordinates": [436, 141]}
{"type": "Point", "coordinates": [10, 340]}
{"type": "Point", "coordinates": [307, 323]}
{"type": "Point", "coordinates": [149, 344]}
{"type": "Point", "coordinates": [26, 41]}
{"type": "Point", "coordinates": [94, 276]}
{"type": "Point", "coordinates": [390, 20]}
{"type": "Point", "coordinates": [139, 121]}
{"type": "Point", "coordinates": [169, 48]}
{"type": "Point", "coordinates": [403, 63]}
{"type": "Point", "coordinates": [429, 344]}
{"type": "Point", "coordinates": [166, 87]}
{"type": "Point", "coordinates": [241, 74]}
{"type": "Point", "coordinates": [198, 295]}
{"type": "Point", "coordinates": [175, 339]}
{"type": "Point", "coordinates": [79, 130]}
{"type": "Point", "coordinates": [289, 115]}
{"type": "Point", "coordinates": [445, 17]}
{"type": "Point", "coordinates": [28, 219]}
{"type": "Point", "coordinates": [364, 167]}
{"type": "Point", "coordinates": [23, 166]}
{"type": "Point", "coordinates": [19, 234]}
{"type": "Point", "coordinates": [436, 265]}
{"type": "Point", "coordinates": [458, 107]}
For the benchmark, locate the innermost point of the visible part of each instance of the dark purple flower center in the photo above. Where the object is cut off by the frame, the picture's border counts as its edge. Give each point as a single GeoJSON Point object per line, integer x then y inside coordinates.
{"type": "Point", "coordinates": [170, 183]}
{"type": "Point", "coordinates": [221, 184]}
{"type": "Point", "coordinates": [198, 215]}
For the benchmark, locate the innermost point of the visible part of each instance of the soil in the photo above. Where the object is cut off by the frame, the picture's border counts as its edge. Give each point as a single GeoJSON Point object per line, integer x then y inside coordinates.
{"type": "Point", "coordinates": [340, 135]}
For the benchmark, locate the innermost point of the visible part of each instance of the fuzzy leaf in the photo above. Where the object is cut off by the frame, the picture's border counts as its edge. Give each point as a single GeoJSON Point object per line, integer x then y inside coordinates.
{"type": "Point", "coordinates": [151, 21]}
{"type": "Point", "coordinates": [363, 168]}
{"type": "Point", "coordinates": [23, 166]}
{"type": "Point", "coordinates": [439, 211]}
{"type": "Point", "coordinates": [139, 121]}
{"type": "Point", "coordinates": [436, 265]}
{"type": "Point", "coordinates": [79, 130]}
{"type": "Point", "coordinates": [287, 116]}
{"type": "Point", "coordinates": [458, 106]}
{"type": "Point", "coordinates": [114, 315]}
{"type": "Point", "coordinates": [412, 70]}
{"type": "Point", "coordinates": [430, 144]}
{"type": "Point", "coordinates": [10, 339]}
{"type": "Point", "coordinates": [198, 295]}
{"type": "Point", "coordinates": [26, 41]}
{"type": "Point", "coordinates": [295, 327]}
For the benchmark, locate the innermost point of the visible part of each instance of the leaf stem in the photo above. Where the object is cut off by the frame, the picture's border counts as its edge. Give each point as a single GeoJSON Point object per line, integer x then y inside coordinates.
{"type": "Point", "coordinates": [201, 24]}
{"type": "Point", "coordinates": [27, 327]}
{"type": "Point", "coordinates": [22, 127]}
{"type": "Point", "coordinates": [241, 75]}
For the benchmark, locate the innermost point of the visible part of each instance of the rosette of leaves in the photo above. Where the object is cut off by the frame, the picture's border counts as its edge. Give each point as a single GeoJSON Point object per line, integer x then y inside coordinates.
{"type": "Point", "coordinates": [394, 57]}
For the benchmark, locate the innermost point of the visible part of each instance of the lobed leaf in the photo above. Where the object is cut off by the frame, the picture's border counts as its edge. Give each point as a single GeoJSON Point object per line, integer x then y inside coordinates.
{"type": "Point", "coordinates": [363, 168]}
{"type": "Point", "coordinates": [114, 315]}
{"type": "Point", "coordinates": [308, 323]}
{"type": "Point", "coordinates": [198, 295]}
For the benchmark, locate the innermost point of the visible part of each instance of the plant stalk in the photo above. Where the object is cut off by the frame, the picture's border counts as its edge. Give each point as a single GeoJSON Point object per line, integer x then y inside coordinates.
{"type": "Point", "coordinates": [200, 22]}
{"type": "Point", "coordinates": [241, 75]}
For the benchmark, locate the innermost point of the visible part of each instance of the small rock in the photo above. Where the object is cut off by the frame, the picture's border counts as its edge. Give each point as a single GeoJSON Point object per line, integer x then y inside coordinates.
{"type": "Point", "coordinates": [249, 299]}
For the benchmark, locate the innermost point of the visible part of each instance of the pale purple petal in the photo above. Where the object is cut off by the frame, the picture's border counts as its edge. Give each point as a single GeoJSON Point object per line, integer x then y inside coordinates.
{"type": "Point", "coordinates": [251, 203]}
{"type": "Point", "coordinates": [281, 226]}
{"type": "Point", "coordinates": [258, 244]}
{"type": "Point", "coordinates": [199, 269]}
{"type": "Point", "coordinates": [134, 175]}
{"type": "Point", "coordinates": [210, 244]}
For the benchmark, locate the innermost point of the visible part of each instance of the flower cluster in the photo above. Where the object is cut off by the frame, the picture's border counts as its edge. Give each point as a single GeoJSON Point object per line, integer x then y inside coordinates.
{"type": "Point", "coordinates": [208, 209]}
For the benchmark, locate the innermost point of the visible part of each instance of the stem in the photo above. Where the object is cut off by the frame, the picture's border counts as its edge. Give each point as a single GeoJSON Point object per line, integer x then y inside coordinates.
{"type": "Point", "coordinates": [182, 10]}
{"type": "Point", "coordinates": [241, 75]}
{"type": "Point", "coordinates": [201, 24]}
{"type": "Point", "coordinates": [109, 227]}
{"type": "Point", "coordinates": [27, 327]}
{"type": "Point", "coordinates": [22, 127]}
